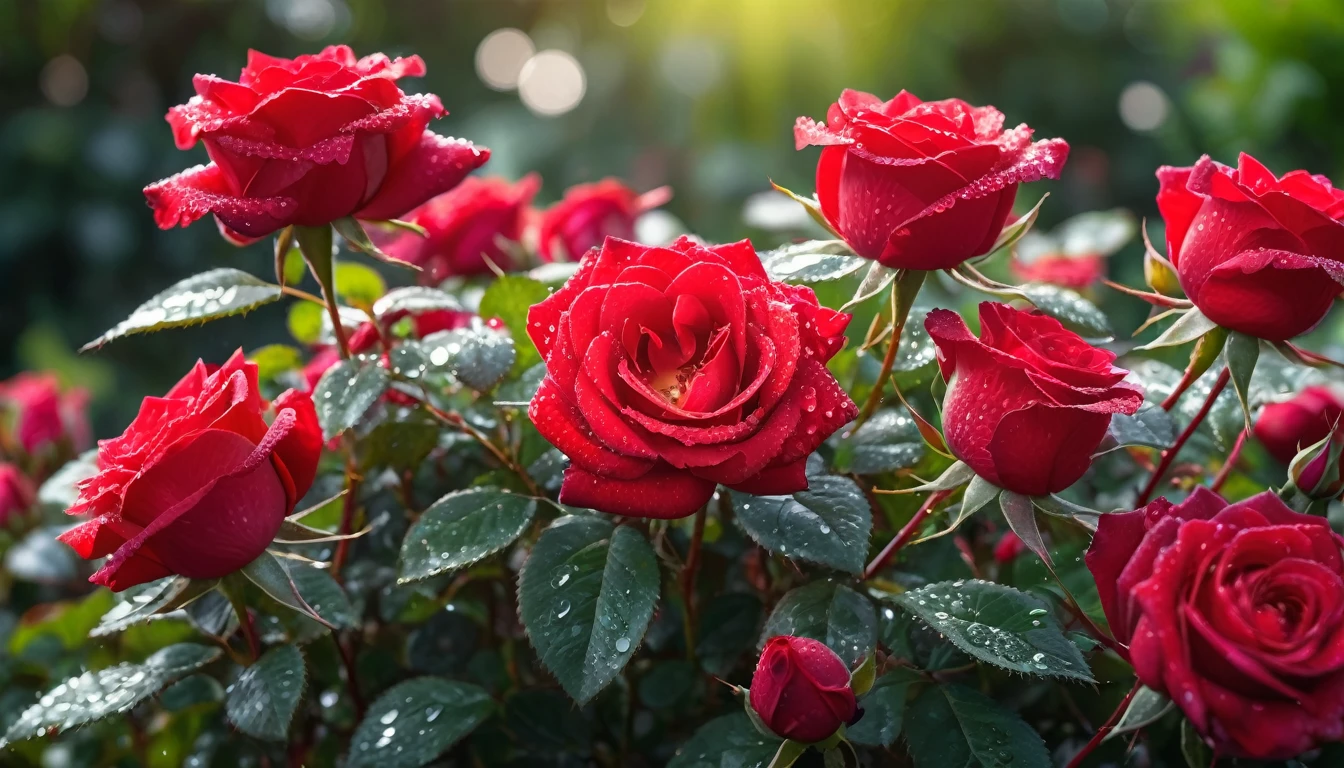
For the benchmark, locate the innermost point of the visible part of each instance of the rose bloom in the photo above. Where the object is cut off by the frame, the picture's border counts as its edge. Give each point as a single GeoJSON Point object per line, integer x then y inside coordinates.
{"type": "Point", "coordinates": [465, 226]}
{"type": "Point", "coordinates": [16, 494]}
{"type": "Point", "coordinates": [1234, 611]}
{"type": "Point", "coordinates": [1255, 253]}
{"type": "Point", "coordinates": [1076, 272]}
{"type": "Point", "coordinates": [1286, 428]}
{"type": "Point", "coordinates": [1028, 402]}
{"type": "Point", "coordinates": [43, 414]}
{"type": "Point", "coordinates": [308, 141]}
{"type": "Point", "coordinates": [921, 185]}
{"type": "Point", "coordinates": [801, 689]}
{"type": "Point", "coordinates": [199, 483]}
{"type": "Point", "coordinates": [589, 213]}
{"type": "Point", "coordinates": [671, 370]}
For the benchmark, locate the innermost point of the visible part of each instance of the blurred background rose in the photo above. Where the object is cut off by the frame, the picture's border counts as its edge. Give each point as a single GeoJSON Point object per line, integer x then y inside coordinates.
{"type": "Point", "coordinates": [696, 94]}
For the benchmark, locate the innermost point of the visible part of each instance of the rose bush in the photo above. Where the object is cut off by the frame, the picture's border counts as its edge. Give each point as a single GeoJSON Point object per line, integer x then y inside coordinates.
{"type": "Point", "coordinates": [671, 370]}
{"type": "Point", "coordinates": [588, 214]}
{"type": "Point", "coordinates": [199, 483]}
{"type": "Point", "coordinates": [307, 141]}
{"type": "Point", "coordinates": [921, 185]}
{"type": "Point", "coordinates": [1256, 253]}
{"type": "Point", "coordinates": [801, 689]}
{"type": "Point", "coordinates": [1234, 610]}
{"type": "Point", "coordinates": [1027, 402]}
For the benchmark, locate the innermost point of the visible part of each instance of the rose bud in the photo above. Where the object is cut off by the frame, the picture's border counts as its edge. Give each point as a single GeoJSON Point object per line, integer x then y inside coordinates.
{"type": "Point", "coordinates": [921, 185]}
{"type": "Point", "coordinates": [1255, 253]}
{"type": "Point", "coordinates": [1008, 548]}
{"type": "Point", "coordinates": [16, 494]}
{"type": "Point", "coordinates": [1310, 467]}
{"type": "Point", "coordinates": [198, 484]}
{"type": "Point", "coordinates": [1028, 402]}
{"type": "Point", "coordinates": [1287, 427]}
{"type": "Point", "coordinates": [43, 415]}
{"type": "Point", "coordinates": [1234, 612]}
{"type": "Point", "coordinates": [801, 689]}
{"type": "Point", "coordinates": [672, 370]}
{"type": "Point", "coordinates": [466, 226]}
{"type": "Point", "coordinates": [589, 213]}
{"type": "Point", "coordinates": [308, 141]}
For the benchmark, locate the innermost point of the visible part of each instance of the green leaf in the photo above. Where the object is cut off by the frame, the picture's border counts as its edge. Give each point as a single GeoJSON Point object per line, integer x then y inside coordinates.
{"type": "Point", "coordinates": [730, 740]}
{"type": "Point", "coordinates": [415, 299]}
{"type": "Point", "coordinates": [200, 298]}
{"type": "Point", "coordinates": [830, 613]}
{"type": "Point", "coordinates": [888, 441]}
{"type": "Point", "coordinates": [509, 299]}
{"type": "Point", "coordinates": [979, 492]}
{"type": "Point", "coordinates": [477, 355]}
{"type": "Point", "coordinates": [98, 694]}
{"type": "Point", "coordinates": [262, 700]}
{"type": "Point", "coordinates": [1150, 427]}
{"type": "Point", "coordinates": [463, 528]}
{"type": "Point", "coordinates": [874, 282]}
{"type": "Point", "coordinates": [190, 691]}
{"type": "Point", "coordinates": [346, 392]}
{"type": "Point", "coordinates": [959, 473]}
{"type": "Point", "coordinates": [728, 626]}
{"type": "Point", "coordinates": [1242, 352]}
{"type": "Point", "coordinates": [814, 261]}
{"type": "Point", "coordinates": [827, 524]}
{"type": "Point", "coordinates": [275, 359]}
{"type": "Point", "coordinates": [1069, 308]}
{"type": "Point", "coordinates": [1187, 328]}
{"type": "Point", "coordinates": [1194, 749]}
{"type": "Point", "coordinates": [883, 709]}
{"type": "Point", "coordinates": [146, 602]}
{"type": "Point", "coordinates": [1147, 707]}
{"type": "Point", "coordinates": [400, 444]}
{"type": "Point", "coordinates": [416, 721]}
{"type": "Point", "coordinates": [305, 322]}
{"type": "Point", "coordinates": [788, 754]}
{"type": "Point", "coordinates": [952, 725]}
{"type": "Point", "coordinates": [1020, 513]}
{"type": "Point", "coordinates": [360, 285]}
{"type": "Point", "coordinates": [354, 235]}
{"type": "Point", "coordinates": [586, 595]}
{"type": "Point", "coordinates": [999, 625]}
{"type": "Point", "coordinates": [275, 580]}
{"type": "Point", "coordinates": [321, 592]}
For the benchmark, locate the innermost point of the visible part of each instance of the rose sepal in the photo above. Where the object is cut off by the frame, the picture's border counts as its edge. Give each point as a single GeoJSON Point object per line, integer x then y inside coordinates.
{"type": "Point", "coordinates": [1159, 272]}
{"type": "Point", "coordinates": [1013, 231]}
{"type": "Point", "coordinates": [861, 679]}
{"type": "Point", "coordinates": [1328, 451]}
{"type": "Point", "coordinates": [812, 205]}
{"type": "Point", "coordinates": [352, 231]}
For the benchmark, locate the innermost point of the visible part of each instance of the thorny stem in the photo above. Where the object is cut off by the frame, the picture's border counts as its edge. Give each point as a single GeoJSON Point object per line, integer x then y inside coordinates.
{"type": "Point", "coordinates": [688, 570]}
{"type": "Point", "coordinates": [348, 507]}
{"type": "Point", "coordinates": [457, 422]}
{"type": "Point", "coordinates": [902, 298]}
{"type": "Point", "coordinates": [1226, 470]}
{"type": "Point", "coordinates": [1187, 379]}
{"type": "Point", "coordinates": [1169, 455]}
{"type": "Point", "coordinates": [904, 535]}
{"type": "Point", "coordinates": [1105, 728]}
{"type": "Point", "coordinates": [351, 680]}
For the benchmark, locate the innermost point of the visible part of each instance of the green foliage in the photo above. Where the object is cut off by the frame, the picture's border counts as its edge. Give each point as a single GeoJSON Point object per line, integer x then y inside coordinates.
{"type": "Point", "coordinates": [956, 725]}
{"type": "Point", "coordinates": [462, 528]}
{"type": "Point", "coordinates": [200, 298]}
{"type": "Point", "coordinates": [347, 391]}
{"type": "Point", "coordinates": [727, 740]}
{"type": "Point", "coordinates": [828, 612]}
{"type": "Point", "coordinates": [415, 721]}
{"type": "Point", "coordinates": [509, 299]}
{"type": "Point", "coordinates": [883, 709]}
{"type": "Point", "coordinates": [262, 700]}
{"type": "Point", "coordinates": [827, 524]}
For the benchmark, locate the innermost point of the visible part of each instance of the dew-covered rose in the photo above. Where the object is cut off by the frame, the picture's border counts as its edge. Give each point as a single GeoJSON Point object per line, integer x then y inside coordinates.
{"type": "Point", "coordinates": [307, 141]}
{"type": "Point", "coordinates": [1305, 419]}
{"type": "Point", "coordinates": [921, 185]}
{"type": "Point", "coordinates": [588, 214]}
{"type": "Point", "coordinates": [199, 483]}
{"type": "Point", "coordinates": [671, 370]}
{"type": "Point", "coordinates": [801, 689]}
{"type": "Point", "coordinates": [1234, 611]}
{"type": "Point", "coordinates": [1256, 253]}
{"type": "Point", "coordinates": [1029, 401]}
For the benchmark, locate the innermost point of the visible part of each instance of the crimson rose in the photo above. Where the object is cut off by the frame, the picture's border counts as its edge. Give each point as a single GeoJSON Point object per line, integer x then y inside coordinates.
{"type": "Point", "coordinates": [16, 493]}
{"type": "Point", "coordinates": [1287, 427]}
{"type": "Point", "coordinates": [589, 213]}
{"type": "Point", "coordinates": [1028, 402]}
{"type": "Point", "coordinates": [1256, 253]}
{"type": "Point", "coordinates": [308, 141]}
{"type": "Point", "coordinates": [801, 689]}
{"type": "Point", "coordinates": [199, 483]}
{"type": "Point", "coordinates": [1076, 272]}
{"type": "Point", "coordinates": [671, 370]}
{"type": "Point", "coordinates": [1234, 611]}
{"type": "Point", "coordinates": [921, 185]}
{"type": "Point", "coordinates": [43, 415]}
{"type": "Point", "coordinates": [465, 225]}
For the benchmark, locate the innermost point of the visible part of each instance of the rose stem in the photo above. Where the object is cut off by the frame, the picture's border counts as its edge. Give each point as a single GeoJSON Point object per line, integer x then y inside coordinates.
{"type": "Point", "coordinates": [351, 681]}
{"type": "Point", "coordinates": [297, 293]}
{"type": "Point", "coordinates": [688, 570]}
{"type": "Point", "coordinates": [904, 535]}
{"type": "Point", "coordinates": [1105, 728]}
{"type": "Point", "coordinates": [1226, 469]}
{"type": "Point", "coordinates": [352, 481]}
{"type": "Point", "coordinates": [902, 298]}
{"type": "Point", "coordinates": [1187, 379]}
{"type": "Point", "coordinates": [1169, 455]}
{"type": "Point", "coordinates": [249, 629]}
{"type": "Point", "coordinates": [455, 421]}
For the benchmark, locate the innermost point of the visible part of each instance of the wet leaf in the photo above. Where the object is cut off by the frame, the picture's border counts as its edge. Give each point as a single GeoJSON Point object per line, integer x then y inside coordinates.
{"type": "Point", "coordinates": [208, 296]}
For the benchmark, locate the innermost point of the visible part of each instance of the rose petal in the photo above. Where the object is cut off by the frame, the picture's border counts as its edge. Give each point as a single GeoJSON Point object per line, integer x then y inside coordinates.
{"type": "Point", "coordinates": [662, 493]}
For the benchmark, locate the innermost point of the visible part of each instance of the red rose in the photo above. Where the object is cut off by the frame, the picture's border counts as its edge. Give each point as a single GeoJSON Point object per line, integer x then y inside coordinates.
{"type": "Point", "coordinates": [1076, 272]}
{"type": "Point", "coordinates": [199, 483]}
{"type": "Point", "coordinates": [16, 494]}
{"type": "Point", "coordinates": [1008, 548]}
{"type": "Point", "coordinates": [921, 185]}
{"type": "Point", "coordinates": [671, 370]}
{"type": "Point", "coordinates": [308, 141]}
{"type": "Point", "coordinates": [1028, 402]}
{"type": "Point", "coordinates": [590, 213]}
{"type": "Point", "coordinates": [465, 225]}
{"type": "Point", "coordinates": [43, 415]}
{"type": "Point", "coordinates": [801, 689]}
{"type": "Point", "coordinates": [1255, 253]}
{"type": "Point", "coordinates": [1287, 427]}
{"type": "Point", "coordinates": [1234, 611]}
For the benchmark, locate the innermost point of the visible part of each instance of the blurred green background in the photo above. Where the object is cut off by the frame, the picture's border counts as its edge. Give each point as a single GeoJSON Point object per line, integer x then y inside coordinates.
{"type": "Point", "coordinates": [698, 94]}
